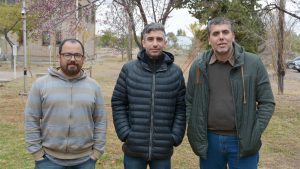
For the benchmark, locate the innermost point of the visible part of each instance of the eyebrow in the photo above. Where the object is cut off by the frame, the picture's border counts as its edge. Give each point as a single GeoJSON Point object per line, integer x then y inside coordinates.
{"type": "Point", "coordinates": [224, 30]}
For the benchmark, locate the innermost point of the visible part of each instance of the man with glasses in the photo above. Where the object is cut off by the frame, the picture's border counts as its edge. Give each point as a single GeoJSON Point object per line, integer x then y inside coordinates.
{"type": "Point", "coordinates": [65, 119]}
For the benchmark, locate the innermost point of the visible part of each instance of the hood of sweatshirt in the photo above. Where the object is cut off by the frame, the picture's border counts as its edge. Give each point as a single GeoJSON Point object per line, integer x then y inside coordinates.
{"type": "Point", "coordinates": [54, 72]}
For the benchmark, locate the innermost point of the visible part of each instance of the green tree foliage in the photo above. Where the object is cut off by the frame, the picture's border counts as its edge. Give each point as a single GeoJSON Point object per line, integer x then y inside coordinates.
{"type": "Point", "coordinates": [295, 43]}
{"type": "Point", "coordinates": [248, 26]}
{"type": "Point", "coordinates": [11, 21]}
{"type": "Point", "coordinates": [181, 32]}
{"type": "Point", "coordinates": [172, 39]}
{"type": "Point", "coordinates": [10, 18]}
{"type": "Point", "coordinates": [112, 40]}
{"type": "Point", "coordinates": [108, 39]}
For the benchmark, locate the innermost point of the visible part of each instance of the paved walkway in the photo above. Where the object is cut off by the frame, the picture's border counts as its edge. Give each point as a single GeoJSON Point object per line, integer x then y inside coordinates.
{"type": "Point", "coordinates": [8, 76]}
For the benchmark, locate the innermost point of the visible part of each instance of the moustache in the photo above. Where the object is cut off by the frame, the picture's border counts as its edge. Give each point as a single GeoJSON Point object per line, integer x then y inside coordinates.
{"type": "Point", "coordinates": [72, 63]}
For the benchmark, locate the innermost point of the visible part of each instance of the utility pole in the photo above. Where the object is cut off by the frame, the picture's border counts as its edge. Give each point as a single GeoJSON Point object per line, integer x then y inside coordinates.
{"type": "Point", "coordinates": [23, 12]}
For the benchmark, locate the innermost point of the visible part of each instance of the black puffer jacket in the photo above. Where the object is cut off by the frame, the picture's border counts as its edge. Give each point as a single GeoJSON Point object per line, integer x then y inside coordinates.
{"type": "Point", "coordinates": [148, 105]}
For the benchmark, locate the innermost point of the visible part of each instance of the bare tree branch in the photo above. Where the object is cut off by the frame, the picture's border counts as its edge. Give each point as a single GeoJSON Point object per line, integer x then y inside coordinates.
{"type": "Point", "coordinates": [142, 12]}
{"type": "Point", "coordinates": [153, 10]}
{"type": "Point", "coordinates": [272, 6]}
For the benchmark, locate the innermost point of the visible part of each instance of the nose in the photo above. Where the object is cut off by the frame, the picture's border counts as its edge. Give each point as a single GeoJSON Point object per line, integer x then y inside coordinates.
{"type": "Point", "coordinates": [221, 36]}
{"type": "Point", "coordinates": [72, 57]}
{"type": "Point", "coordinates": [155, 43]}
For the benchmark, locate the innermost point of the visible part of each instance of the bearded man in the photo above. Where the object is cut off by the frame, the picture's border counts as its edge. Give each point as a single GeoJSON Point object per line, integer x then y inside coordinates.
{"type": "Point", "coordinates": [65, 119]}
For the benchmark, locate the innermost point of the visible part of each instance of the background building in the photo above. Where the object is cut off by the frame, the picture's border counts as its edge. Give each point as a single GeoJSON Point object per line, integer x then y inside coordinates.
{"type": "Point", "coordinates": [45, 47]}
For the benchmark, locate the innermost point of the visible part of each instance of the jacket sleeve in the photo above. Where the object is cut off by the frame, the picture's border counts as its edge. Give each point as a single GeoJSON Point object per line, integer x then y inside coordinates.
{"type": "Point", "coordinates": [119, 103]}
{"type": "Point", "coordinates": [190, 90]}
{"type": "Point", "coordinates": [33, 115]}
{"type": "Point", "coordinates": [100, 125]}
{"type": "Point", "coordinates": [264, 97]}
{"type": "Point", "coordinates": [179, 124]}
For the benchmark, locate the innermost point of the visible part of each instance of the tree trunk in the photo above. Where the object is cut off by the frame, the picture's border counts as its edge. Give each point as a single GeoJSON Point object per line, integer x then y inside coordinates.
{"type": "Point", "coordinates": [129, 46]}
{"type": "Point", "coordinates": [11, 46]}
{"type": "Point", "coordinates": [131, 29]}
{"type": "Point", "coordinates": [280, 63]}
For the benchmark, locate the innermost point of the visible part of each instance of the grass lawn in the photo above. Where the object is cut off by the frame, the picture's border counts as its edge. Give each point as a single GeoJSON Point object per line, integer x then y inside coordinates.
{"type": "Point", "coordinates": [281, 140]}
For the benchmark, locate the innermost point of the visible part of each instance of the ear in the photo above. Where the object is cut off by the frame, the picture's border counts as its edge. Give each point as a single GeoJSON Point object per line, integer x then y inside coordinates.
{"type": "Point", "coordinates": [165, 44]}
{"type": "Point", "coordinates": [208, 40]}
{"type": "Point", "coordinates": [58, 57]}
{"type": "Point", "coordinates": [143, 43]}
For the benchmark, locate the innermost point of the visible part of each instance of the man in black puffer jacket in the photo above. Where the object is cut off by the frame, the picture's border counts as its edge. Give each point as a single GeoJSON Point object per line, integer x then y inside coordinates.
{"type": "Point", "coordinates": [148, 104]}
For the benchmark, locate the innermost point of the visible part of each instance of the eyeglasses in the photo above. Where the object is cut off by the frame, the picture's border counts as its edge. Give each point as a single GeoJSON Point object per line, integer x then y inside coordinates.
{"type": "Point", "coordinates": [68, 56]}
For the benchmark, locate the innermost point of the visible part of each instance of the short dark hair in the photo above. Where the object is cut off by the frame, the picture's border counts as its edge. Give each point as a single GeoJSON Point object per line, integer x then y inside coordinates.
{"type": "Point", "coordinates": [72, 41]}
{"type": "Point", "coordinates": [219, 21]}
{"type": "Point", "coordinates": [153, 27]}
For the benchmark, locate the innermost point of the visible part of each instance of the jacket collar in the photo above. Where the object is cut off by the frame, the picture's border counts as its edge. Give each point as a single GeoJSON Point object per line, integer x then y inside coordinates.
{"type": "Point", "coordinates": [239, 54]}
{"type": "Point", "coordinates": [231, 59]}
{"type": "Point", "coordinates": [165, 59]}
{"type": "Point", "coordinates": [54, 72]}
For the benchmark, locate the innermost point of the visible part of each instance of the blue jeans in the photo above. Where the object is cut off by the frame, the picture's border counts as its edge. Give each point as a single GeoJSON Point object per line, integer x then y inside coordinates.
{"type": "Point", "coordinates": [48, 164]}
{"type": "Point", "coordinates": [223, 151]}
{"type": "Point", "coordinates": [140, 163]}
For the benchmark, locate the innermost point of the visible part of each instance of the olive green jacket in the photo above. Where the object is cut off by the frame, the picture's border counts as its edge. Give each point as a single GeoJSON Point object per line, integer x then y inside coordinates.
{"type": "Point", "coordinates": [253, 101]}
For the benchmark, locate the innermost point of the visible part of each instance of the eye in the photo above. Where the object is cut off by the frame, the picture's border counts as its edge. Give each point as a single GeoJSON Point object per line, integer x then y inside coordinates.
{"type": "Point", "coordinates": [68, 54]}
{"type": "Point", "coordinates": [150, 39]}
{"type": "Point", "coordinates": [160, 39]}
{"type": "Point", "coordinates": [215, 33]}
{"type": "Point", "coordinates": [77, 55]}
{"type": "Point", "coordinates": [226, 32]}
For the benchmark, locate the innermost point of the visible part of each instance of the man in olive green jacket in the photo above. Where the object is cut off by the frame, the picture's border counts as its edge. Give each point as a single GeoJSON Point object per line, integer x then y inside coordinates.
{"type": "Point", "coordinates": [229, 102]}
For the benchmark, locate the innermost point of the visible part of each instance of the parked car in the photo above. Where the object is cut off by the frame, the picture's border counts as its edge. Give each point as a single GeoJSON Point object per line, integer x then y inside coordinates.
{"type": "Point", "coordinates": [297, 65]}
{"type": "Point", "coordinates": [291, 64]}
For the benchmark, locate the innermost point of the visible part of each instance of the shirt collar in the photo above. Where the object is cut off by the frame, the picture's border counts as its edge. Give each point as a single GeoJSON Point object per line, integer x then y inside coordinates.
{"type": "Point", "coordinates": [213, 59]}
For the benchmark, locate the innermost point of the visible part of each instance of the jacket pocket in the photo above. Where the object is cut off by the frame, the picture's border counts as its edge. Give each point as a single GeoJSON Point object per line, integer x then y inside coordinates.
{"type": "Point", "coordinates": [256, 134]}
{"type": "Point", "coordinates": [254, 142]}
{"type": "Point", "coordinates": [54, 137]}
{"type": "Point", "coordinates": [80, 137]}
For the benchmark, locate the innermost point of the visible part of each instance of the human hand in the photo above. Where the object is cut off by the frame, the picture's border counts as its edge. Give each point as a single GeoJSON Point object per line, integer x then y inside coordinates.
{"type": "Point", "coordinates": [40, 159]}
{"type": "Point", "coordinates": [93, 157]}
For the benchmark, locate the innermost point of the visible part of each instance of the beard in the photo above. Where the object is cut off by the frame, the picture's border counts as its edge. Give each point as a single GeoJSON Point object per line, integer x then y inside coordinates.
{"type": "Point", "coordinates": [71, 69]}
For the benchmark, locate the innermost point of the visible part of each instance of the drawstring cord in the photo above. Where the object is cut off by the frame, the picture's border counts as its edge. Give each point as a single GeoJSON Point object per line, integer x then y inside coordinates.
{"type": "Point", "coordinates": [244, 95]}
{"type": "Point", "coordinates": [198, 75]}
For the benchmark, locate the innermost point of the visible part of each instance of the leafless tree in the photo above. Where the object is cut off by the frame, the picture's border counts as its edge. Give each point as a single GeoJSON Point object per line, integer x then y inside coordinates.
{"type": "Point", "coordinates": [140, 13]}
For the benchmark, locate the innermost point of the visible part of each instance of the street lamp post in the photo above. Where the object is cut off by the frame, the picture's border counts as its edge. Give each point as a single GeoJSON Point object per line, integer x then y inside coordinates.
{"type": "Point", "coordinates": [23, 12]}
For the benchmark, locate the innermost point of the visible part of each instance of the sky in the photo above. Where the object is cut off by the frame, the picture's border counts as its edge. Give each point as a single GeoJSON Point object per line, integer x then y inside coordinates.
{"type": "Point", "coordinates": [180, 19]}
{"type": "Point", "coordinates": [288, 19]}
